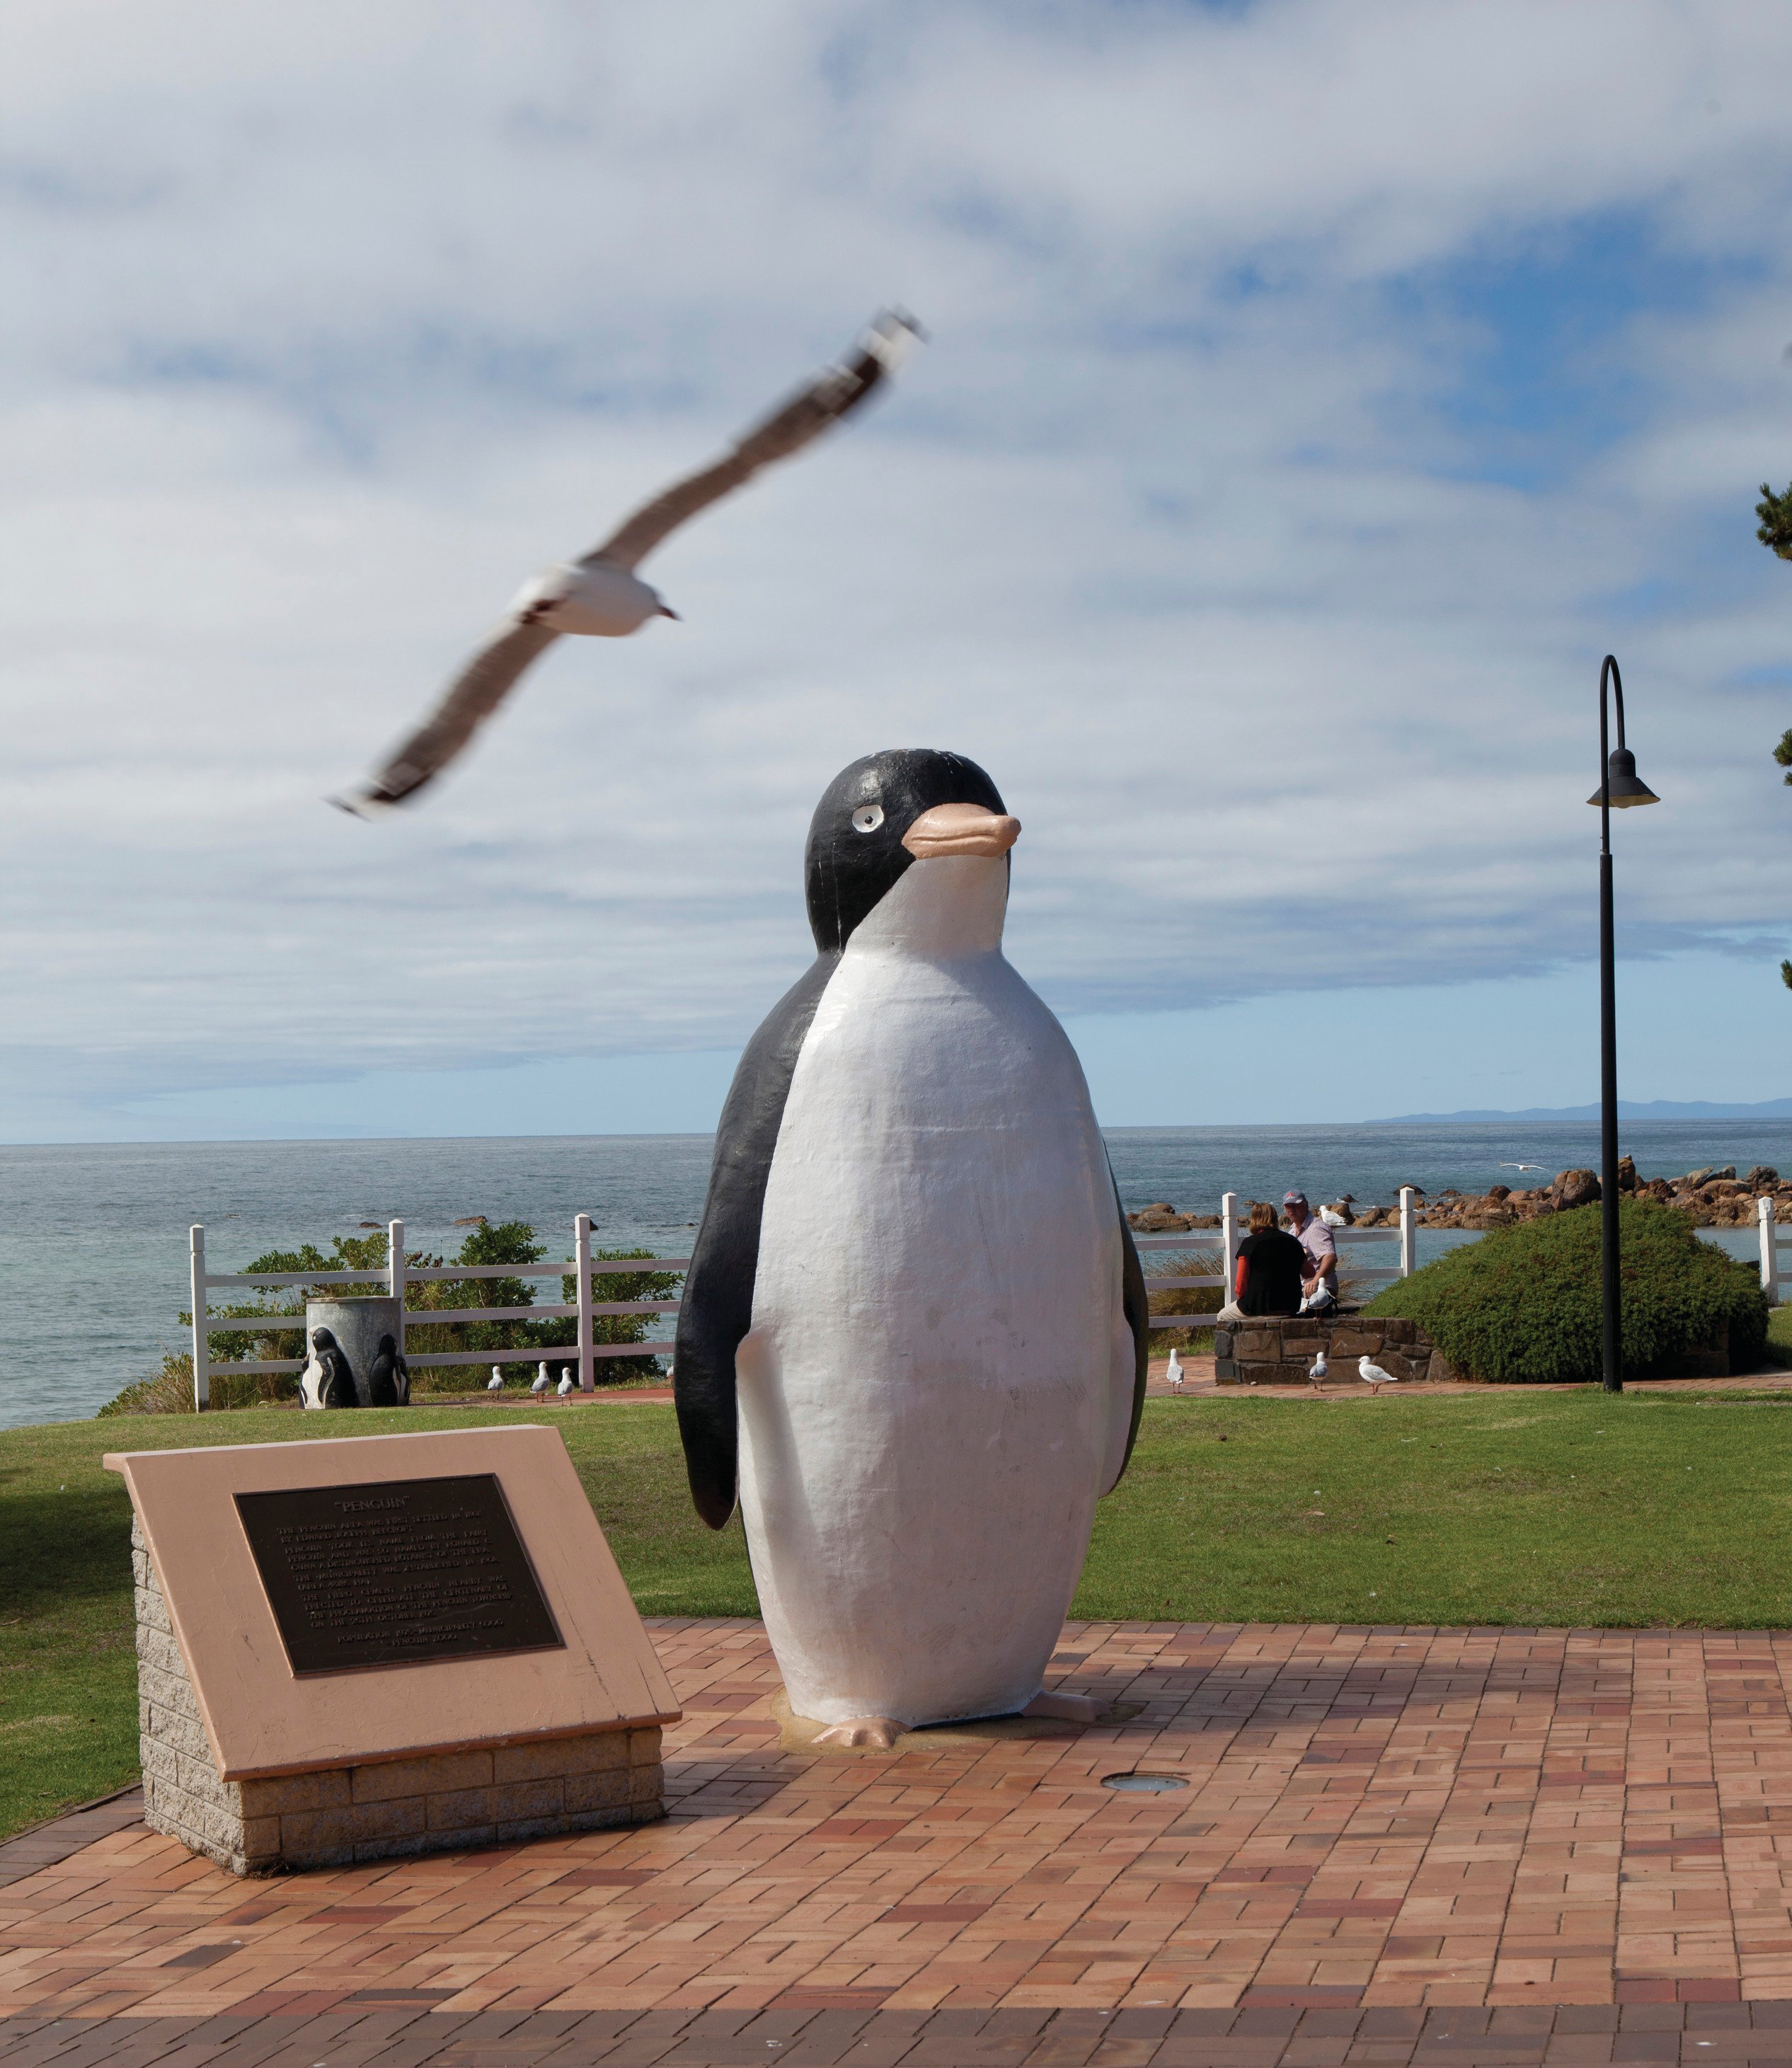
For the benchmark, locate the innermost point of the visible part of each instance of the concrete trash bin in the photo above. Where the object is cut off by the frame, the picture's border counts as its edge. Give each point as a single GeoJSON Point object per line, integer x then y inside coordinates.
{"type": "Point", "coordinates": [353, 1358]}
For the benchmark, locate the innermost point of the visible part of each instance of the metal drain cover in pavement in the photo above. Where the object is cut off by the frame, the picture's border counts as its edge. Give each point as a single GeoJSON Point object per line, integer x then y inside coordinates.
{"type": "Point", "coordinates": [1142, 1783]}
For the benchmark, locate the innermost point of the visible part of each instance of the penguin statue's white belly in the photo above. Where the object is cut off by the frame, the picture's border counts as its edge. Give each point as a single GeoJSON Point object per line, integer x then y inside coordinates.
{"type": "Point", "coordinates": [938, 1381]}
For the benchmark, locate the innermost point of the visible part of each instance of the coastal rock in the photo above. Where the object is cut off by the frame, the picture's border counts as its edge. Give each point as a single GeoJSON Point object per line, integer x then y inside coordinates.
{"type": "Point", "coordinates": [1763, 1178]}
{"type": "Point", "coordinates": [1575, 1188]}
{"type": "Point", "coordinates": [1626, 1174]}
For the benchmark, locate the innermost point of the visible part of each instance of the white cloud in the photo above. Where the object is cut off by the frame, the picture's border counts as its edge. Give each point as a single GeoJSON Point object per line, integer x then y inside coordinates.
{"type": "Point", "coordinates": [330, 324]}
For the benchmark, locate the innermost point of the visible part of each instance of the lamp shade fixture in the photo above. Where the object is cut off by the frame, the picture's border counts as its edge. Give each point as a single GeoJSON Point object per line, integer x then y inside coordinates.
{"type": "Point", "coordinates": [1625, 787]}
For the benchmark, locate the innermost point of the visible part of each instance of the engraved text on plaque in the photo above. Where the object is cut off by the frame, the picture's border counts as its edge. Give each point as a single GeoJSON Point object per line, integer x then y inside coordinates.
{"type": "Point", "coordinates": [395, 1573]}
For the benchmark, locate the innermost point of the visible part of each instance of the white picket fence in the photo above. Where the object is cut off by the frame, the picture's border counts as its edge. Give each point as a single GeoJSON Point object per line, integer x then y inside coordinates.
{"type": "Point", "coordinates": [1773, 1240]}
{"type": "Point", "coordinates": [392, 1280]}
{"type": "Point", "coordinates": [1221, 1243]}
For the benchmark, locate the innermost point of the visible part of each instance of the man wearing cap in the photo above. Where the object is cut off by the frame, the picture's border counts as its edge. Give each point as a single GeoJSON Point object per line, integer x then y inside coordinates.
{"type": "Point", "coordinates": [1320, 1285]}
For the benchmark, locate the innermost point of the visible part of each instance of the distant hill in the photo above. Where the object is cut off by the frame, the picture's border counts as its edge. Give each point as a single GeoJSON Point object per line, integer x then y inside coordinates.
{"type": "Point", "coordinates": [1627, 1110]}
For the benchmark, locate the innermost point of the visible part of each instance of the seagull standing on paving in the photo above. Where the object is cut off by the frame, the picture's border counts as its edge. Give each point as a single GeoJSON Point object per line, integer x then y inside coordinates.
{"type": "Point", "coordinates": [495, 1383]}
{"type": "Point", "coordinates": [601, 594]}
{"type": "Point", "coordinates": [540, 1384]}
{"type": "Point", "coordinates": [1317, 1369]}
{"type": "Point", "coordinates": [1174, 1373]}
{"type": "Point", "coordinates": [565, 1385]}
{"type": "Point", "coordinates": [1374, 1377]}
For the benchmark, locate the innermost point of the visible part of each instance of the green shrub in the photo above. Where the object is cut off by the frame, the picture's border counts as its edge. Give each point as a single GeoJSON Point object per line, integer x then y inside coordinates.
{"type": "Point", "coordinates": [513, 1242]}
{"type": "Point", "coordinates": [1523, 1304]}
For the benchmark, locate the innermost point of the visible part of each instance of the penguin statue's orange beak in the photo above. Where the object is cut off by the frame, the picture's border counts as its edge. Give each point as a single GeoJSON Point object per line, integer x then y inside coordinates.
{"type": "Point", "coordinates": [961, 829]}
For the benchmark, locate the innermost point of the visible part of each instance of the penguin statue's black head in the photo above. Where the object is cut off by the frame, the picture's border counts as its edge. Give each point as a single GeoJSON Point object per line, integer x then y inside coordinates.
{"type": "Point", "coordinates": [884, 813]}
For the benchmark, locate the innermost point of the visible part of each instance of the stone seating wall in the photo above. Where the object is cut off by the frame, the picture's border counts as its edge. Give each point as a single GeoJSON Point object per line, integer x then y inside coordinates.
{"type": "Point", "coordinates": [1266, 1350]}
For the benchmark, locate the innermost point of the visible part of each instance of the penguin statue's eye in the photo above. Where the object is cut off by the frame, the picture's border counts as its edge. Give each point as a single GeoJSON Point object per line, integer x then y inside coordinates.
{"type": "Point", "coordinates": [867, 818]}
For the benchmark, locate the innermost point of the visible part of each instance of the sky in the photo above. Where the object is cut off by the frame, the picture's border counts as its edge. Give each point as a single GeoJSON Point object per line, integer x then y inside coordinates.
{"type": "Point", "coordinates": [1317, 389]}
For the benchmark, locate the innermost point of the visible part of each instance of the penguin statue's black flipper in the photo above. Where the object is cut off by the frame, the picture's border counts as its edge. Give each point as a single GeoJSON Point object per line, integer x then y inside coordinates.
{"type": "Point", "coordinates": [718, 1306]}
{"type": "Point", "coordinates": [1137, 1307]}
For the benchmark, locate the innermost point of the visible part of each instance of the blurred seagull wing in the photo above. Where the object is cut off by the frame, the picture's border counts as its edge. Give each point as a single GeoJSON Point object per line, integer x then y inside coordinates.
{"type": "Point", "coordinates": [805, 415]}
{"type": "Point", "coordinates": [481, 686]}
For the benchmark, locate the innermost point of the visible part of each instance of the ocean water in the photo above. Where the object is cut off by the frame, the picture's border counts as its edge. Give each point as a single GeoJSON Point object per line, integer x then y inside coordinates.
{"type": "Point", "coordinates": [93, 1239]}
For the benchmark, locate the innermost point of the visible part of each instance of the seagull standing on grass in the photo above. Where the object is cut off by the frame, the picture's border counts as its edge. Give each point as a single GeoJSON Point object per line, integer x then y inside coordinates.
{"type": "Point", "coordinates": [495, 1383]}
{"type": "Point", "coordinates": [565, 1385]}
{"type": "Point", "coordinates": [1174, 1373]}
{"type": "Point", "coordinates": [540, 1384]}
{"type": "Point", "coordinates": [600, 594]}
{"type": "Point", "coordinates": [1374, 1377]}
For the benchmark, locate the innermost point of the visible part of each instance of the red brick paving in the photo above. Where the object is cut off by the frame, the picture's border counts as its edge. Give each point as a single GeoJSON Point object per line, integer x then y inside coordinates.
{"type": "Point", "coordinates": [1375, 1820]}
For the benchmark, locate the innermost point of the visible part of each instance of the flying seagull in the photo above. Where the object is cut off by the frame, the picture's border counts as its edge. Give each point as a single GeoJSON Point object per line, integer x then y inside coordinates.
{"type": "Point", "coordinates": [601, 594]}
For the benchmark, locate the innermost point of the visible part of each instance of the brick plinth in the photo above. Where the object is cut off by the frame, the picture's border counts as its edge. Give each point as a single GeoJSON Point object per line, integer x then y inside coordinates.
{"type": "Point", "coordinates": [1267, 1351]}
{"type": "Point", "coordinates": [438, 1802]}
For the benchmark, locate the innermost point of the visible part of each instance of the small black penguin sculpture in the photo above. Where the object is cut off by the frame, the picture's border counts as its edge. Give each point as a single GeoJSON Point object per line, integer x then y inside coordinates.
{"type": "Point", "coordinates": [389, 1382]}
{"type": "Point", "coordinates": [336, 1384]}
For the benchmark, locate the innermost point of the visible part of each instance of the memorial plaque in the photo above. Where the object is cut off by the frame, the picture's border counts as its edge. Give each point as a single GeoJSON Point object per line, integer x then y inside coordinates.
{"type": "Point", "coordinates": [395, 1573]}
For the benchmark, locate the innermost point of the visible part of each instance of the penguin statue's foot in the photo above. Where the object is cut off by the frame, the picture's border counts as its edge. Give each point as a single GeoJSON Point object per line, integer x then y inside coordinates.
{"type": "Point", "coordinates": [1070, 1708]}
{"type": "Point", "coordinates": [872, 1733]}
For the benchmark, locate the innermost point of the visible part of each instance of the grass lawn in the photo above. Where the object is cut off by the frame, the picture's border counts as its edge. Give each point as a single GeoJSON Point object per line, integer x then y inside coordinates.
{"type": "Point", "coordinates": [1552, 1509]}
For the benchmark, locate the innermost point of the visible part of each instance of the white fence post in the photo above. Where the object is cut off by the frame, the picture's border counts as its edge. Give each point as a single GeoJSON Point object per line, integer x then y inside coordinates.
{"type": "Point", "coordinates": [1770, 1252]}
{"type": "Point", "coordinates": [581, 1262]}
{"type": "Point", "coordinates": [201, 1346]}
{"type": "Point", "coordinates": [1409, 1235]}
{"type": "Point", "coordinates": [1228, 1225]}
{"type": "Point", "coordinates": [395, 1274]}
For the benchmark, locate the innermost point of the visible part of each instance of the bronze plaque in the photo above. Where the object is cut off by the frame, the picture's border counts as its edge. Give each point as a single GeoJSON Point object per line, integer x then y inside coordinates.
{"type": "Point", "coordinates": [396, 1572]}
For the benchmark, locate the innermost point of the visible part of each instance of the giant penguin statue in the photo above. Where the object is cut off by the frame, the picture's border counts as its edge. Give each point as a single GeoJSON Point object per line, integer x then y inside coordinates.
{"type": "Point", "coordinates": [914, 1329]}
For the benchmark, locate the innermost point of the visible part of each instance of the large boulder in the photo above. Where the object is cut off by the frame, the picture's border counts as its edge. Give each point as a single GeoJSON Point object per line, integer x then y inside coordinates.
{"type": "Point", "coordinates": [1575, 1188]}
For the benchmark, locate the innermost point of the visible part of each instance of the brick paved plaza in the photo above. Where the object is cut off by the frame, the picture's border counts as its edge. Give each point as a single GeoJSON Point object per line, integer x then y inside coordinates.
{"type": "Point", "coordinates": [1504, 1844]}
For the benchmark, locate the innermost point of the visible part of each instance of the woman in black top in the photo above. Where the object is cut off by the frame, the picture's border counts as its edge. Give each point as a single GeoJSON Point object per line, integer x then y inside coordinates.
{"type": "Point", "coordinates": [1270, 1265]}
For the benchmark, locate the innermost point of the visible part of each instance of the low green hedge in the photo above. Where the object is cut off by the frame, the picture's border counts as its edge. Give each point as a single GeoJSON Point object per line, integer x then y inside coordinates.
{"type": "Point", "coordinates": [1523, 1303]}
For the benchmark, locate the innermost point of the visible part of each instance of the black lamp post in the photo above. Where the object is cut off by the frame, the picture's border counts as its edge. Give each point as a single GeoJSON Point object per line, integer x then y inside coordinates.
{"type": "Point", "coordinates": [1620, 787]}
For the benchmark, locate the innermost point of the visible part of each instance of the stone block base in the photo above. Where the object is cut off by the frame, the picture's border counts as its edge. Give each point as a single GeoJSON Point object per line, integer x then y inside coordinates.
{"type": "Point", "coordinates": [436, 1803]}
{"type": "Point", "coordinates": [1269, 1350]}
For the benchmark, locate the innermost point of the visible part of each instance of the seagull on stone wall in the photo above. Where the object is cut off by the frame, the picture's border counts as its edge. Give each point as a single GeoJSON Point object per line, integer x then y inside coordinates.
{"type": "Point", "coordinates": [601, 594]}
